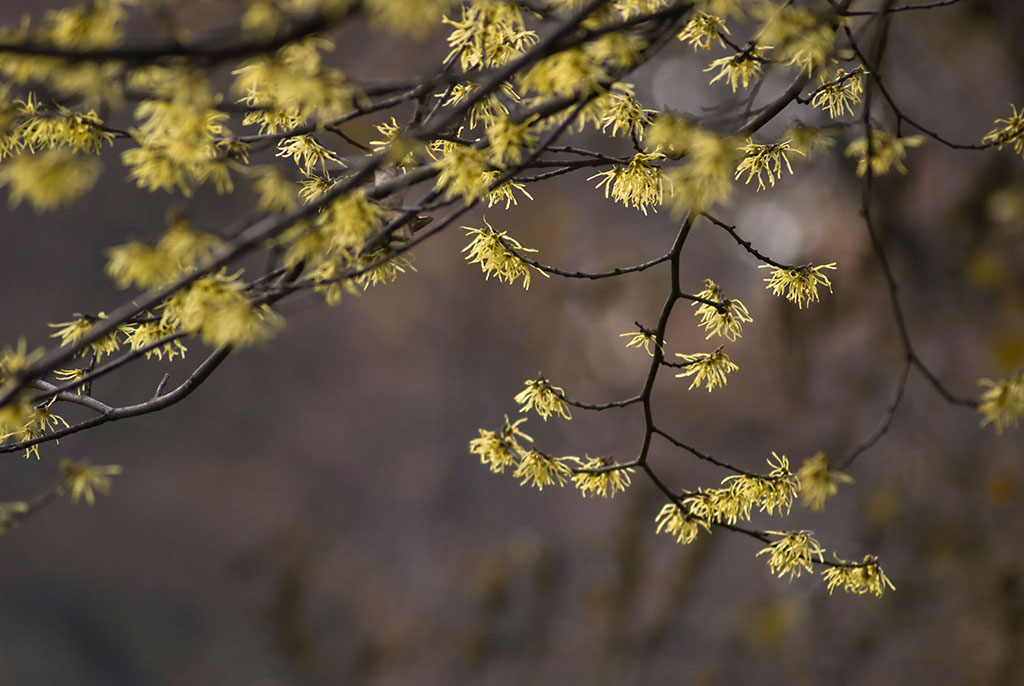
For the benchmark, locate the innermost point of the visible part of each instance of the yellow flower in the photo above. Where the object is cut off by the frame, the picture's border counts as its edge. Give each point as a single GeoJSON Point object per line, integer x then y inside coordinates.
{"type": "Point", "coordinates": [606, 483]}
{"type": "Point", "coordinates": [500, 449]}
{"type": "Point", "coordinates": [867, 577]}
{"type": "Point", "coordinates": [769, 158]}
{"type": "Point", "coordinates": [708, 368]}
{"type": "Point", "coordinates": [17, 359]}
{"type": "Point", "coordinates": [887, 151]}
{"type": "Point", "coordinates": [49, 179]}
{"type": "Point", "coordinates": [741, 67]}
{"type": "Point", "coordinates": [839, 95]}
{"type": "Point", "coordinates": [818, 483]}
{"type": "Point", "coordinates": [69, 376]}
{"type": "Point", "coordinates": [624, 114]}
{"type": "Point", "coordinates": [461, 172]}
{"type": "Point", "coordinates": [728, 322]}
{"type": "Point", "coordinates": [147, 333]}
{"type": "Point", "coordinates": [494, 252]}
{"type": "Point", "coordinates": [1008, 131]}
{"type": "Point", "coordinates": [1003, 403]}
{"type": "Point", "coordinates": [684, 526]}
{"type": "Point", "coordinates": [718, 505]}
{"type": "Point", "coordinates": [639, 184]}
{"type": "Point", "coordinates": [509, 140]}
{"type": "Point", "coordinates": [82, 479]}
{"type": "Point", "coordinates": [71, 332]}
{"type": "Point", "coordinates": [544, 399]}
{"type": "Point", "coordinates": [643, 339]}
{"type": "Point", "coordinates": [775, 491]}
{"type": "Point", "coordinates": [542, 470]}
{"type": "Point", "coordinates": [799, 285]}
{"type": "Point", "coordinates": [702, 29]}
{"type": "Point", "coordinates": [792, 553]}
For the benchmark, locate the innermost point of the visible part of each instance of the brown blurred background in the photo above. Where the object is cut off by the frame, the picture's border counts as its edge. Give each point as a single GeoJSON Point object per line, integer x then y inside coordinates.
{"type": "Point", "coordinates": [312, 515]}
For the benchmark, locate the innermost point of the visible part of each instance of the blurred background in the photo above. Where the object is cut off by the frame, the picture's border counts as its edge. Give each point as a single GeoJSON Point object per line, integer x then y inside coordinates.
{"type": "Point", "coordinates": [312, 515]}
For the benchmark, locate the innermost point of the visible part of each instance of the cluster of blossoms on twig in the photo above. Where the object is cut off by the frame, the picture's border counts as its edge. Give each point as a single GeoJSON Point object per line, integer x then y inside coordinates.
{"type": "Point", "coordinates": [335, 232]}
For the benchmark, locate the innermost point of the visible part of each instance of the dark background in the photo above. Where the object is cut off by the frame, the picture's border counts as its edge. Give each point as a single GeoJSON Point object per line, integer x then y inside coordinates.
{"type": "Point", "coordinates": [312, 514]}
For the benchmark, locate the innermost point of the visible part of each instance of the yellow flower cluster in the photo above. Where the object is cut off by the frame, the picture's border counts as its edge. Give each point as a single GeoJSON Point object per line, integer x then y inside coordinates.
{"type": "Point", "coordinates": [292, 86]}
{"type": "Point", "coordinates": [867, 577]}
{"type": "Point", "coordinates": [792, 554]}
{"type": "Point", "coordinates": [729, 321]}
{"type": "Point", "coordinates": [608, 480]}
{"type": "Point", "coordinates": [643, 339]}
{"type": "Point", "coordinates": [490, 33]}
{"type": "Point", "coordinates": [32, 127]}
{"type": "Point", "coordinates": [759, 159]}
{"type": "Point", "coordinates": [740, 68]}
{"type": "Point", "coordinates": [71, 332]}
{"type": "Point", "coordinates": [540, 470]}
{"type": "Point", "coordinates": [216, 308]}
{"type": "Point", "coordinates": [565, 73]}
{"type": "Point", "coordinates": [802, 38]}
{"type": "Point", "coordinates": [510, 141]}
{"type": "Point", "coordinates": [742, 492]}
{"type": "Point", "coordinates": [639, 184]}
{"type": "Point", "coordinates": [83, 480]}
{"type": "Point", "coordinates": [496, 254]}
{"type": "Point", "coordinates": [504, 449]}
{"type": "Point", "coordinates": [49, 179]}
{"type": "Point", "coordinates": [1007, 131]}
{"type": "Point", "coordinates": [40, 421]}
{"type": "Point", "coordinates": [145, 334]}
{"type": "Point", "coordinates": [623, 113]}
{"type": "Point", "coordinates": [838, 96]}
{"type": "Point", "coordinates": [818, 483]}
{"type": "Point", "coordinates": [1003, 403]}
{"type": "Point", "coordinates": [544, 399]}
{"type": "Point", "coordinates": [144, 266]}
{"type": "Point", "coordinates": [683, 525]}
{"type": "Point", "coordinates": [710, 369]}
{"type": "Point", "coordinates": [462, 172]}
{"type": "Point", "coordinates": [702, 29]}
{"type": "Point", "coordinates": [886, 152]}
{"type": "Point", "coordinates": [799, 285]}
{"type": "Point", "coordinates": [706, 175]}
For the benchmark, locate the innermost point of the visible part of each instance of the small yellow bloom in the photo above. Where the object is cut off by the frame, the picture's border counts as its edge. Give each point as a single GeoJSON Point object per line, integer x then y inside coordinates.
{"type": "Point", "coordinates": [605, 483]}
{"type": "Point", "coordinates": [544, 399]}
{"type": "Point", "coordinates": [1003, 403]}
{"type": "Point", "coordinates": [702, 29]}
{"type": "Point", "coordinates": [643, 339]}
{"type": "Point", "coordinates": [741, 67]}
{"type": "Point", "coordinates": [500, 449]}
{"type": "Point", "coordinates": [684, 526]}
{"type": "Point", "coordinates": [542, 470]}
{"type": "Point", "coordinates": [792, 553]}
{"type": "Point", "coordinates": [887, 151]}
{"type": "Point", "coordinates": [1008, 131]}
{"type": "Point", "coordinates": [494, 252]}
{"type": "Point", "coordinates": [17, 359]}
{"type": "Point", "coordinates": [759, 159]}
{"type": "Point", "coordinates": [867, 577]}
{"type": "Point", "coordinates": [799, 285]}
{"type": "Point", "coordinates": [729, 321]}
{"type": "Point", "coordinates": [82, 479]}
{"type": "Point", "coordinates": [818, 483]}
{"type": "Point", "coordinates": [639, 184]}
{"type": "Point", "coordinates": [708, 368]}
{"type": "Point", "coordinates": [840, 94]}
